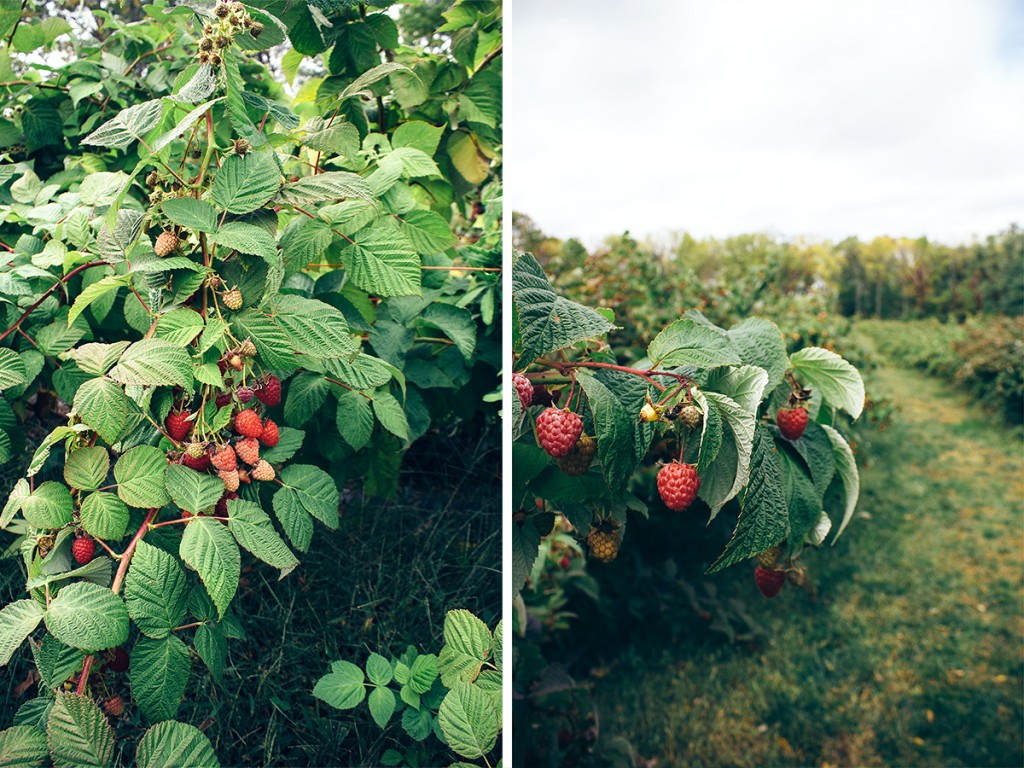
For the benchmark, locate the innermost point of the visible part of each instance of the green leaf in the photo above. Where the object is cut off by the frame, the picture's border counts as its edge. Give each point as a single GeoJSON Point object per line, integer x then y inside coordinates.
{"type": "Point", "coordinates": [343, 687]}
{"type": "Point", "coordinates": [614, 427]}
{"type": "Point", "coordinates": [525, 548]}
{"type": "Point", "coordinates": [378, 670]}
{"type": "Point", "coordinates": [331, 186]}
{"type": "Point", "coordinates": [193, 491]}
{"type": "Point", "coordinates": [99, 570]}
{"type": "Point", "coordinates": [158, 672]}
{"type": "Point", "coordinates": [209, 549]}
{"type": "Point", "coordinates": [254, 531]}
{"type": "Point", "coordinates": [154, 362]}
{"type": "Point", "coordinates": [417, 723]}
{"type": "Point", "coordinates": [96, 359]}
{"type": "Point", "coordinates": [315, 490]}
{"type": "Point", "coordinates": [17, 621]}
{"type": "Point", "coordinates": [14, 502]}
{"type": "Point", "coordinates": [846, 471]}
{"type": "Point", "coordinates": [107, 285]}
{"type": "Point", "coordinates": [296, 521]}
{"type": "Point", "coordinates": [338, 137]}
{"type": "Point", "coordinates": [246, 238]}
{"type": "Point", "coordinates": [815, 448]}
{"type": "Point", "coordinates": [306, 393]}
{"type": "Point", "coordinates": [547, 321]}
{"type": "Point", "coordinates": [467, 645]}
{"type": "Point", "coordinates": [192, 214]}
{"type": "Point", "coordinates": [127, 126]}
{"type": "Point", "coordinates": [315, 328]}
{"type": "Point", "coordinates": [56, 662]}
{"type": "Point", "coordinates": [803, 502]}
{"type": "Point", "coordinates": [428, 232]}
{"type": "Point", "coordinates": [686, 342]}
{"type": "Point", "coordinates": [183, 125]}
{"type": "Point", "coordinates": [419, 135]}
{"type": "Point", "coordinates": [764, 516]}
{"type": "Point", "coordinates": [423, 673]}
{"type": "Point", "coordinates": [467, 158]}
{"type": "Point", "coordinates": [179, 326]}
{"type": "Point", "coordinates": [104, 407]}
{"type": "Point", "coordinates": [759, 342]}
{"type": "Point", "coordinates": [363, 372]}
{"type": "Point", "coordinates": [456, 323]}
{"type": "Point", "coordinates": [104, 516]}
{"type": "Point", "coordinates": [354, 419]}
{"type": "Point", "coordinates": [836, 380]}
{"type": "Point", "coordinates": [23, 746]}
{"type": "Point", "coordinates": [12, 369]}
{"type": "Point", "coordinates": [155, 591]}
{"type": "Point", "coordinates": [288, 444]}
{"type": "Point", "coordinates": [390, 414]}
{"type": "Point", "coordinates": [140, 474]}
{"type": "Point", "coordinates": [78, 733]}
{"type": "Point", "coordinates": [382, 705]}
{"type": "Point", "coordinates": [469, 721]}
{"type": "Point", "coordinates": [370, 77]}
{"type": "Point", "coordinates": [88, 617]}
{"type": "Point", "coordinates": [731, 469]}
{"type": "Point", "coordinates": [245, 182]}
{"type": "Point", "coordinates": [48, 506]}
{"type": "Point", "coordinates": [87, 468]}
{"type": "Point", "coordinates": [175, 745]}
{"type": "Point", "coordinates": [743, 384]}
{"type": "Point", "coordinates": [382, 261]}
{"type": "Point", "coordinates": [212, 647]}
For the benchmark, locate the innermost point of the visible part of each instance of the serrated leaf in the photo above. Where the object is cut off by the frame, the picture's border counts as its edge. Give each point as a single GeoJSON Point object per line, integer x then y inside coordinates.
{"type": "Point", "coordinates": [15, 499]}
{"type": "Point", "coordinates": [191, 490]}
{"type": "Point", "coordinates": [456, 323]}
{"type": "Point", "coordinates": [154, 362]}
{"type": "Point", "coordinates": [175, 745]}
{"type": "Point", "coordinates": [49, 506]}
{"type": "Point", "coordinates": [686, 342]}
{"type": "Point", "coordinates": [78, 733]}
{"type": "Point", "coordinates": [547, 321]}
{"type": "Point", "coordinates": [104, 516]}
{"type": "Point", "coordinates": [23, 746]}
{"type": "Point", "coordinates": [362, 372]}
{"type": "Point", "coordinates": [731, 469]}
{"type": "Point", "coordinates": [803, 502]}
{"type": "Point", "coordinates": [428, 232]}
{"type": "Point", "coordinates": [337, 137]}
{"type": "Point", "coordinates": [354, 419]}
{"type": "Point", "coordinates": [155, 591]}
{"type": "Point", "coordinates": [391, 415]}
{"type": "Point", "coordinates": [296, 521]}
{"type": "Point", "coordinates": [252, 528]}
{"type": "Point", "coordinates": [88, 617]}
{"type": "Point", "coordinates": [743, 384]}
{"type": "Point", "coordinates": [104, 407]}
{"type": "Point", "coordinates": [140, 474]}
{"type": "Point", "coordinates": [158, 671]}
{"type": "Point", "coordinates": [759, 342]}
{"type": "Point", "coordinates": [107, 285]}
{"type": "Point", "coordinates": [127, 126]}
{"type": "Point", "coordinates": [370, 77]}
{"type": "Point", "coordinates": [246, 238]}
{"type": "Point", "coordinates": [846, 471]}
{"type": "Point", "coordinates": [245, 182]}
{"type": "Point", "coordinates": [179, 326]}
{"type": "Point", "coordinates": [469, 721]}
{"type": "Point", "coordinates": [331, 186]}
{"type": "Point", "coordinates": [307, 392]}
{"type": "Point", "coordinates": [315, 490]}
{"type": "Point", "coordinates": [382, 705]}
{"type": "Point", "coordinates": [87, 468]}
{"type": "Point", "coordinates": [383, 262]}
{"type": "Point", "coordinates": [17, 621]}
{"type": "Point", "coordinates": [343, 687]}
{"type": "Point", "coordinates": [315, 328]}
{"type": "Point", "coordinates": [212, 647]}
{"type": "Point", "coordinates": [288, 444]}
{"type": "Point", "coordinates": [210, 550]}
{"type": "Point", "coordinates": [467, 645]}
{"type": "Point", "coordinates": [96, 359]}
{"type": "Point", "coordinates": [183, 125]}
{"type": "Point", "coordinates": [12, 369]}
{"type": "Point", "coordinates": [378, 670]}
{"type": "Point", "coordinates": [836, 380]}
{"type": "Point", "coordinates": [56, 662]}
{"type": "Point", "coordinates": [614, 427]}
{"type": "Point", "coordinates": [423, 673]}
{"type": "Point", "coordinates": [99, 571]}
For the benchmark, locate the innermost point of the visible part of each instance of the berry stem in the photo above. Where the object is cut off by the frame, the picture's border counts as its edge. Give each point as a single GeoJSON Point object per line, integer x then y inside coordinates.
{"type": "Point", "coordinates": [646, 375]}
{"type": "Point", "coordinates": [84, 677]}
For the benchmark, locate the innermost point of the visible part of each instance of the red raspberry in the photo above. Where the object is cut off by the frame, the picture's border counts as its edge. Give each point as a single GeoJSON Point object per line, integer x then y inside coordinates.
{"type": "Point", "coordinates": [225, 459]}
{"type": "Point", "coordinates": [221, 510]}
{"type": "Point", "coordinates": [114, 706]}
{"type": "Point", "coordinates": [262, 471]}
{"type": "Point", "coordinates": [178, 424]}
{"type": "Point", "coordinates": [792, 422]}
{"type": "Point", "coordinates": [198, 463]}
{"type": "Point", "coordinates": [249, 424]}
{"type": "Point", "coordinates": [248, 450]}
{"type": "Point", "coordinates": [83, 549]}
{"type": "Point", "coordinates": [270, 434]}
{"type": "Point", "coordinates": [270, 393]}
{"type": "Point", "coordinates": [120, 661]}
{"type": "Point", "coordinates": [244, 394]}
{"type": "Point", "coordinates": [768, 581]}
{"type": "Point", "coordinates": [524, 388]}
{"type": "Point", "coordinates": [558, 430]}
{"type": "Point", "coordinates": [223, 398]}
{"type": "Point", "coordinates": [678, 485]}
{"type": "Point", "coordinates": [230, 479]}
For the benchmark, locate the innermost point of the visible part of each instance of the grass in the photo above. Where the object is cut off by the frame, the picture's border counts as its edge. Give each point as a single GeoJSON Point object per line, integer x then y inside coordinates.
{"type": "Point", "coordinates": [382, 581]}
{"type": "Point", "coordinates": [912, 653]}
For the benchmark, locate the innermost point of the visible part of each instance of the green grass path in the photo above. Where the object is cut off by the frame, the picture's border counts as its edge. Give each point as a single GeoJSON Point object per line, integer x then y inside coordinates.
{"type": "Point", "coordinates": [913, 653]}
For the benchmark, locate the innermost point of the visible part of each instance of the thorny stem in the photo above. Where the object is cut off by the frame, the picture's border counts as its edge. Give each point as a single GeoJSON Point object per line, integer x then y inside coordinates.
{"type": "Point", "coordinates": [181, 520]}
{"type": "Point", "coordinates": [565, 367]}
{"type": "Point", "coordinates": [193, 625]}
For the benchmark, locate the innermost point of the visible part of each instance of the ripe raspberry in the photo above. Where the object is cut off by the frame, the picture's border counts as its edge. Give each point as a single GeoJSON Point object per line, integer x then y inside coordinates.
{"type": "Point", "coordinates": [604, 545]}
{"type": "Point", "coordinates": [249, 424]}
{"type": "Point", "coordinates": [262, 471]}
{"type": "Point", "coordinates": [678, 484]}
{"type": "Point", "coordinates": [248, 450]}
{"type": "Point", "coordinates": [221, 510]}
{"type": "Point", "coordinates": [114, 706]}
{"type": "Point", "coordinates": [165, 244]}
{"type": "Point", "coordinates": [223, 398]}
{"type": "Point", "coordinates": [195, 449]}
{"type": "Point", "coordinates": [524, 388]}
{"type": "Point", "coordinates": [232, 299]}
{"type": "Point", "coordinates": [577, 461]}
{"type": "Point", "coordinates": [691, 416]}
{"type": "Point", "coordinates": [199, 464]}
{"type": "Point", "coordinates": [270, 393]}
{"type": "Point", "coordinates": [83, 549]}
{"type": "Point", "coordinates": [792, 422]}
{"type": "Point", "coordinates": [270, 434]}
{"type": "Point", "coordinates": [230, 479]}
{"type": "Point", "coordinates": [178, 424]}
{"type": "Point", "coordinates": [224, 459]}
{"type": "Point", "coordinates": [244, 394]}
{"type": "Point", "coordinates": [768, 581]}
{"type": "Point", "coordinates": [247, 348]}
{"type": "Point", "coordinates": [120, 661]}
{"type": "Point", "coordinates": [558, 431]}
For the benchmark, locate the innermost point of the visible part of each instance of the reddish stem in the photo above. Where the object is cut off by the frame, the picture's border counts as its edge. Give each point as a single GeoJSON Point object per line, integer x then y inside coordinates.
{"type": "Point", "coordinates": [563, 368]}
{"type": "Point", "coordinates": [41, 299]}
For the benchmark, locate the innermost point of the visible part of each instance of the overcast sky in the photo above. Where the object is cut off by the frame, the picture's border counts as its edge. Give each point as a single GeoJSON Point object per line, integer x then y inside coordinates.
{"type": "Point", "coordinates": [819, 118]}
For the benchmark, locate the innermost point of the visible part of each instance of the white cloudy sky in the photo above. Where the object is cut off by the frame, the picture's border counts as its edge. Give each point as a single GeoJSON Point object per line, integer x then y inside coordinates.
{"type": "Point", "coordinates": [819, 118]}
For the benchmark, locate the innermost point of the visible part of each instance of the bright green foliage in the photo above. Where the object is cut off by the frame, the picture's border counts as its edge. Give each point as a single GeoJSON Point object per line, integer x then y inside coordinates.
{"type": "Point", "coordinates": [184, 240]}
{"type": "Point", "coordinates": [456, 694]}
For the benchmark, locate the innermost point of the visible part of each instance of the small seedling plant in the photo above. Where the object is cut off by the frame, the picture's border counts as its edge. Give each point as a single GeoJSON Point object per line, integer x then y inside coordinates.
{"type": "Point", "coordinates": [187, 343]}
{"type": "Point", "coordinates": [454, 696]}
{"type": "Point", "coordinates": [718, 414]}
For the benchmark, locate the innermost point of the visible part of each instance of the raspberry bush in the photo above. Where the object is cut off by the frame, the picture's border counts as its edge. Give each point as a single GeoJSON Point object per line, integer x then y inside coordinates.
{"type": "Point", "coordinates": [233, 302]}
